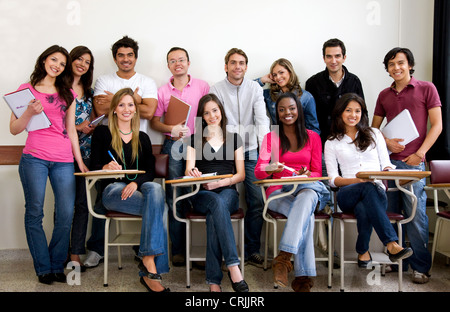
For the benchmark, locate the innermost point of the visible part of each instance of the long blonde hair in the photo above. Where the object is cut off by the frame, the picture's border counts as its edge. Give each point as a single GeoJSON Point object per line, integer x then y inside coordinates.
{"type": "Point", "coordinates": [116, 141]}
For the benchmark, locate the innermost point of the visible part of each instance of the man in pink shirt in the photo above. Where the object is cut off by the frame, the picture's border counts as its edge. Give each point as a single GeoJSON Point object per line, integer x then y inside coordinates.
{"type": "Point", "coordinates": [422, 100]}
{"type": "Point", "coordinates": [190, 90]}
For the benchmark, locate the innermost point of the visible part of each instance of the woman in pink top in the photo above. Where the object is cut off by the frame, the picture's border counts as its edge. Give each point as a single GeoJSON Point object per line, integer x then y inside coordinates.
{"type": "Point", "coordinates": [49, 153]}
{"type": "Point", "coordinates": [291, 144]}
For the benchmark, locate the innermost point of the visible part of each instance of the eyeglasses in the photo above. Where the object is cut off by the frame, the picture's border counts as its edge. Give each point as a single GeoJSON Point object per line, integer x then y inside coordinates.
{"type": "Point", "coordinates": [181, 60]}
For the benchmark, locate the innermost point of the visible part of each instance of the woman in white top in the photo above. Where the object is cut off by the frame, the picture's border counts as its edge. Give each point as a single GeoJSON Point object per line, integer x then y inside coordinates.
{"type": "Point", "coordinates": [352, 147]}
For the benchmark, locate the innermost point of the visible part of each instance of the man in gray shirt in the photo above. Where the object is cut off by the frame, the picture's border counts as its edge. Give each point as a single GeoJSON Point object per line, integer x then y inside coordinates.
{"type": "Point", "coordinates": [245, 109]}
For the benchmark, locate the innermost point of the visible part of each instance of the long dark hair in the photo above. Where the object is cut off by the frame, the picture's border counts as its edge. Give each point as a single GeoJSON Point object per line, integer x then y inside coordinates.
{"type": "Point", "coordinates": [87, 78]}
{"type": "Point", "coordinates": [63, 82]}
{"type": "Point", "coordinates": [300, 128]}
{"type": "Point", "coordinates": [338, 130]}
{"type": "Point", "coordinates": [200, 127]}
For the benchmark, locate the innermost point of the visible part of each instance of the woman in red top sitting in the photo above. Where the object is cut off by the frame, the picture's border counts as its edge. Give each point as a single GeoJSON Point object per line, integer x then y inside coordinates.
{"type": "Point", "coordinates": [301, 149]}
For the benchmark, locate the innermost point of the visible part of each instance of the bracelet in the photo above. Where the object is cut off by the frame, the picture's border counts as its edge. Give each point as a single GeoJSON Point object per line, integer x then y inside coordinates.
{"type": "Point", "coordinates": [418, 155]}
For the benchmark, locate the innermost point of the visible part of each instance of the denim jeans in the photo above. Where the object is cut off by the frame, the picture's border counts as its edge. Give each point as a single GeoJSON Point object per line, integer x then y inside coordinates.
{"type": "Point", "coordinates": [177, 165]}
{"type": "Point", "coordinates": [96, 241]}
{"type": "Point", "coordinates": [220, 240]}
{"type": "Point", "coordinates": [298, 234]}
{"type": "Point", "coordinates": [33, 175]}
{"type": "Point", "coordinates": [255, 206]}
{"type": "Point", "coordinates": [368, 201]}
{"type": "Point", "coordinates": [81, 215]}
{"type": "Point", "coordinates": [147, 202]}
{"type": "Point", "coordinates": [417, 229]}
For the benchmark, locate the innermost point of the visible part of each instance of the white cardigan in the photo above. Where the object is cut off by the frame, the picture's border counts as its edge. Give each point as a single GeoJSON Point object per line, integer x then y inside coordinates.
{"type": "Point", "coordinates": [245, 110]}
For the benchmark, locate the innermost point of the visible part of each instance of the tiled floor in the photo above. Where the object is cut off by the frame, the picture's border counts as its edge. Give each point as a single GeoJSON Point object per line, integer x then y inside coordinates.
{"type": "Point", "coordinates": [17, 275]}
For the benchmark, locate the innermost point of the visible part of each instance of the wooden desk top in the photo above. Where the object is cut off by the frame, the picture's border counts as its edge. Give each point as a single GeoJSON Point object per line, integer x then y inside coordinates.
{"type": "Point", "coordinates": [440, 185]}
{"type": "Point", "coordinates": [390, 175]}
{"type": "Point", "coordinates": [107, 172]}
{"type": "Point", "coordinates": [295, 180]}
{"type": "Point", "coordinates": [201, 179]}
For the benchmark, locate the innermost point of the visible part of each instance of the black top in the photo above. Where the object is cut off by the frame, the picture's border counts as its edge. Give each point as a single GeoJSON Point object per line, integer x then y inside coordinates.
{"type": "Point", "coordinates": [222, 161]}
{"type": "Point", "coordinates": [101, 144]}
{"type": "Point", "coordinates": [326, 94]}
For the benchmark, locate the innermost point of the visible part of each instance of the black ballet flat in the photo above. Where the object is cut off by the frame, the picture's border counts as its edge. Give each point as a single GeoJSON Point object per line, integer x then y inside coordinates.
{"type": "Point", "coordinates": [151, 276]}
{"type": "Point", "coordinates": [59, 277]}
{"type": "Point", "coordinates": [365, 263]}
{"type": "Point", "coordinates": [239, 286]}
{"type": "Point", "coordinates": [405, 253]}
{"type": "Point", "coordinates": [46, 278]}
{"type": "Point", "coordinates": [151, 290]}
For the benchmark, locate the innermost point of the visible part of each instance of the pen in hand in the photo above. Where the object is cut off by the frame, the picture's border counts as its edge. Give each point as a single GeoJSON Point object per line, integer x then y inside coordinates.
{"type": "Point", "coordinates": [110, 154]}
{"type": "Point", "coordinates": [111, 165]}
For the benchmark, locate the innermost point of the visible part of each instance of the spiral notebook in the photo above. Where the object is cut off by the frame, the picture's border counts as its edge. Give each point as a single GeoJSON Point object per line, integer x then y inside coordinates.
{"type": "Point", "coordinates": [18, 101]}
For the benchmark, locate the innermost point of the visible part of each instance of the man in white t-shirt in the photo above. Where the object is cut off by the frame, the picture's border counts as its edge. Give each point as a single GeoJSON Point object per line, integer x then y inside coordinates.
{"type": "Point", "coordinates": [125, 54]}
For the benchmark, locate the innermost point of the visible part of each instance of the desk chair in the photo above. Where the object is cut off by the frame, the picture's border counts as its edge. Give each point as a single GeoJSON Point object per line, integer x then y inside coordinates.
{"type": "Point", "coordinates": [123, 238]}
{"type": "Point", "coordinates": [197, 253]}
{"type": "Point", "coordinates": [340, 221]}
{"type": "Point", "coordinates": [190, 217]}
{"type": "Point", "coordinates": [440, 180]}
{"type": "Point", "coordinates": [272, 217]}
{"type": "Point", "coordinates": [346, 257]}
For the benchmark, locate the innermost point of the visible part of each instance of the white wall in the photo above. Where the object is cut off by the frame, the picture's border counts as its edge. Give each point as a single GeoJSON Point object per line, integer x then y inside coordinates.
{"type": "Point", "coordinates": [266, 30]}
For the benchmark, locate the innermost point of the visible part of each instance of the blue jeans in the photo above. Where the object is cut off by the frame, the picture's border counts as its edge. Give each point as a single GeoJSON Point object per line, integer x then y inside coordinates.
{"type": "Point", "coordinates": [177, 164]}
{"type": "Point", "coordinates": [96, 241]}
{"type": "Point", "coordinates": [417, 229]}
{"type": "Point", "coordinates": [33, 175]}
{"type": "Point", "coordinates": [255, 206]}
{"type": "Point", "coordinates": [80, 216]}
{"type": "Point", "coordinates": [298, 234]}
{"type": "Point", "coordinates": [220, 240]}
{"type": "Point", "coordinates": [147, 202]}
{"type": "Point", "coordinates": [368, 202]}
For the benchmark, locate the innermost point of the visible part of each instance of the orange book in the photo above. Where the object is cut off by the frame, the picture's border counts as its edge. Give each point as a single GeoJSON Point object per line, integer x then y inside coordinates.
{"type": "Point", "coordinates": [177, 112]}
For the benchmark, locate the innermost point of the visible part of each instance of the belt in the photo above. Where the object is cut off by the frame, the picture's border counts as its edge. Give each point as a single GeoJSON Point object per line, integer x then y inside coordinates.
{"type": "Point", "coordinates": [172, 138]}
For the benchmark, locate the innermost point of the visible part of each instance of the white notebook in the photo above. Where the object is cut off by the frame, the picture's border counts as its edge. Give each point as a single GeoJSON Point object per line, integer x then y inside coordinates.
{"type": "Point", "coordinates": [18, 101]}
{"type": "Point", "coordinates": [401, 127]}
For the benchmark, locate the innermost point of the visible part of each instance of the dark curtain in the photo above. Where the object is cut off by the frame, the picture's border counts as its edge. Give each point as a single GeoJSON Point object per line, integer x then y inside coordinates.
{"type": "Point", "coordinates": [441, 75]}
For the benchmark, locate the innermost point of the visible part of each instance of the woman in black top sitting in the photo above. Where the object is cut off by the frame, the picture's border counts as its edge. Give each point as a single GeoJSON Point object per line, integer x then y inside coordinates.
{"type": "Point", "coordinates": [212, 149]}
{"type": "Point", "coordinates": [136, 193]}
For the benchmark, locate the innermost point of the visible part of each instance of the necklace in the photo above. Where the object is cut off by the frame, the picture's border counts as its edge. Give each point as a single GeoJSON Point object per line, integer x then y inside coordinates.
{"type": "Point", "coordinates": [125, 133]}
{"type": "Point", "coordinates": [125, 166]}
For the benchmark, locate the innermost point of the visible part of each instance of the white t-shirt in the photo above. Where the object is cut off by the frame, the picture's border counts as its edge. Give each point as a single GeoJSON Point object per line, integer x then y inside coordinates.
{"type": "Point", "coordinates": [113, 83]}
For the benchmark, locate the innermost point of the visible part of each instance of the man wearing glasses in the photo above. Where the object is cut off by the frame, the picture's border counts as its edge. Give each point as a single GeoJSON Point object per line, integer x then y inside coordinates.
{"type": "Point", "coordinates": [188, 89]}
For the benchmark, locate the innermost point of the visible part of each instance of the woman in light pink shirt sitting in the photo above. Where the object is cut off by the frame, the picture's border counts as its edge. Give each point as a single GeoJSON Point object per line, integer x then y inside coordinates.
{"type": "Point", "coordinates": [291, 144]}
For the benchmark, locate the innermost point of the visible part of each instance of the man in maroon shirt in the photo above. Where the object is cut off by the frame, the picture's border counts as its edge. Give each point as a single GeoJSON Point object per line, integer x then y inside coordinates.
{"type": "Point", "coordinates": [422, 100]}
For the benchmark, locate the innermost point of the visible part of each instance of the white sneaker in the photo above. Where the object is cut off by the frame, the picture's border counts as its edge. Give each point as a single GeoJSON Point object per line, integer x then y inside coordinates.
{"type": "Point", "coordinates": [93, 259]}
{"type": "Point", "coordinates": [420, 278]}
